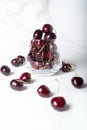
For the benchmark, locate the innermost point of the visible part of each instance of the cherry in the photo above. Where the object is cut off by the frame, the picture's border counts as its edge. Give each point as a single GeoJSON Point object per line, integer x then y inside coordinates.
{"type": "Point", "coordinates": [37, 34]}
{"type": "Point", "coordinates": [58, 103]}
{"type": "Point", "coordinates": [15, 84]}
{"type": "Point", "coordinates": [43, 91]}
{"type": "Point", "coordinates": [5, 70]}
{"type": "Point", "coordinates": [21, 58]}
{"type": "Point", "coordinates": [32, 49]}
{"type": "Point", "coordinates": [47, 28]}
{"type": "Point", "coordinates": [26, 77]}
{"type": "Point", "coordinates": [50, 36]}
{"type": "Point", "coordinates": [36, 64]}
{"type": "Point", "coordinates": [16, 62]}
{"type": "Point", "coordinates": [77, 82]}
{"type": "Point", "coordinates": [39, 43]}
{"type": "Point", "coordinates": [66, 67]}
{"type": "Point", "coordinates": [47, 56]}
{"type": "Point", "coordinates": [31, 56]}
{"type": "Point", "coordinates": [39, 56]}
{"type": "Point", "coordinates": [48, 65]}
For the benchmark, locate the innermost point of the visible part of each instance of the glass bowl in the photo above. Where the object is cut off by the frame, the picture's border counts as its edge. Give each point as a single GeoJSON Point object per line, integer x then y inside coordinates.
{"type": "Point", "coordinates": [44, 71]}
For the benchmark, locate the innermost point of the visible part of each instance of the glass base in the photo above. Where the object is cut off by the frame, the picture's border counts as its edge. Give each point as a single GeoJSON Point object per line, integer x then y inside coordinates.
{"type": "Point", "coordinates": [43, 71]}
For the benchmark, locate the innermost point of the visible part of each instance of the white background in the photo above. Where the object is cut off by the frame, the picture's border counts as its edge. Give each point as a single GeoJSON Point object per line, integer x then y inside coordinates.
{"type": "Point", "coordinates": [26, 110]}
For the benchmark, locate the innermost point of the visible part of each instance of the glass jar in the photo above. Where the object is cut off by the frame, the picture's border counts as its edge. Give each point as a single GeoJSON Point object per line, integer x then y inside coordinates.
{"type": "Point", "coordinates": [43, 56]}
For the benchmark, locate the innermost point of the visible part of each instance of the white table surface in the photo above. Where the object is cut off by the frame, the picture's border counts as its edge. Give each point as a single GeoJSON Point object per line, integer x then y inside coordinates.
{"type": "Point", "coordinates": [26, 110]}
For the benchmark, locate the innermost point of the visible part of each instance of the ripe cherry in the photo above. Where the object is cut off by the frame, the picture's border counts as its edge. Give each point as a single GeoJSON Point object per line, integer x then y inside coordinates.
{"type": "Point", "coordinates": [26, 77]}
{"type": "Point", "coordinates": [31, 56]}
{"type": "Point", "coordinates": [39, 43]}
{"type": "Point", "coordinates": [50, 36]}
{"type": "Point", "coordinates": [33, 42]}
{"type": "Point", "coordinates": [66, 67]}
{"type": "Point", "coordinates": [47, 28]}
{"type": "Point", "coordinates": [47, 56]}
{"type": "Point", "coordinates": [36, 64]}
{"type": "Point", "coordinates": [48, 65]}
{"type": "Point", "coordinates": [43, 91]}
{"type": "Point", "coordinates": [16, 62]}
{"type": "Point", "coordinates": [77, 82]}
{"type": "Point", "coordinates": [21, 58]}
{"type": "Point", "coordinates": [15, 84]}
{"type": "Point", "coordinates": [58, 103]}
{"type": "Point", "coordinates": [5, 70]}
{"type": "Point", "coordinates": [37, 34]}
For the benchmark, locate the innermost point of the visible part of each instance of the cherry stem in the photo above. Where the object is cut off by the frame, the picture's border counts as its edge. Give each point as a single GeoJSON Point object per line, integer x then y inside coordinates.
{"type": "Point", "coordinates": [73, 69]}
{"type": "Point", "coordinates": [50, 53]}
{"type": "Point", "coordinates": [76, 74]}
{"type": "Point", "coordinates": [42, 47]}
{"type": "Point", "coordinates": [58, 86]}
{"type": "Point", "coordinates": [22, 81]}
{"type": "Point", "coordinates": [1, 79]}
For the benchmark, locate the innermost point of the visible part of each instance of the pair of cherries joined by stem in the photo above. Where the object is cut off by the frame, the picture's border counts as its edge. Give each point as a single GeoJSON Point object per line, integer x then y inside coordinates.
{"type": "Point", "coordinates": [57, 102]}
{"type": "Point", "coordinates": [18, 84]}
{"type": "Point", "coordinates": [18, 61]}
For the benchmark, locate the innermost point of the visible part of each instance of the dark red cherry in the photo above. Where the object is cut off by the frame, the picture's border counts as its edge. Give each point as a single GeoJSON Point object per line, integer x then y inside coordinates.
{"type": "Point", "coordinates": [66, 67]}
{"type": "Point", "coordinates": [32, 49]}
{"type": "Point", "coordinates": [48, 65]}
{"type": "Point", "coordinates": [16, 62]}
{"type": "Point", "coordinates": [26, 77]}
{"type": "Point", "coordinates": [43, 91]}
{"type": "Point", "coordinates": [15, 84]}
{"type": "Point", "coordinates": [21, 58]}
{"type": "Point", "coordinates": [37, 34]}
{"type": "Point", "coordinates": [5, 70]}
{"type": "Point", "coordinates": [50, 36]}
{"type": "Point", "coordinates": [31, 57]}
{"type": "Point", "coordinates": [33, 42]}
{"type": "Point", "coordinates": [47, 56]}
{"type": "Point", "coordinates": [47, 28]}
{"type": "Point", "coordinates": [39, 56]}
{"type": "Point", "coordinates": [58, 103]}
{"type": "Point", "coordinates": [77, 82]}
{"type": "Point", "coordinates": [39, 43]}
{"type": "Point", "coordinates": [36, 64]}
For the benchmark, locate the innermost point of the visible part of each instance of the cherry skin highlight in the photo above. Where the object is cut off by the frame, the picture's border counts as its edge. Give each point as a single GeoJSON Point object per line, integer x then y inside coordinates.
{"type": "Point", "coordinates": [37, 34]}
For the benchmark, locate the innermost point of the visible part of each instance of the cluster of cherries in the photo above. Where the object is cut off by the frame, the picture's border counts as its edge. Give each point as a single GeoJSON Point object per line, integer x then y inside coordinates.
{"type": "Point", "coordinates": [42, 53]}
{"type": "Point", "coordinates": [18, 61]}
{"type": "Point", "coordinates": [58, 102]}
